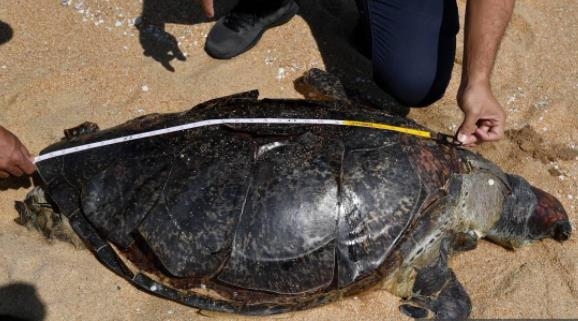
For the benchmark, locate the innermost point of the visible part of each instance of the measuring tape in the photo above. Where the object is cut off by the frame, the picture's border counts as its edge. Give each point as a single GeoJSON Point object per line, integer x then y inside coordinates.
{"type": "Point", "coordinates": [228, 121]}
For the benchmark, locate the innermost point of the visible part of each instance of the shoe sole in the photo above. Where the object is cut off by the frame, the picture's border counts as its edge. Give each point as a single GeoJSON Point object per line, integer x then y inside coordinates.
{"type": "Point", "coordinates": [291, 12]}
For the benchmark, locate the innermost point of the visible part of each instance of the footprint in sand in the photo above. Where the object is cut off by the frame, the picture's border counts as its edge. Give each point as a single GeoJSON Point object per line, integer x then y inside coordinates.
{"type": "Point", "coordinates": [531, 142]}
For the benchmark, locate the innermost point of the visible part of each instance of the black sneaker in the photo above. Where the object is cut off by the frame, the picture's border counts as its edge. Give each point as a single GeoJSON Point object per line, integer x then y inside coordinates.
{"type": "Point", "coordinates": [239, 31]}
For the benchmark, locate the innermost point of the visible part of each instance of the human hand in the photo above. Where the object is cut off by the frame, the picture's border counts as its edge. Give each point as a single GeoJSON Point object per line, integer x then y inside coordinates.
{"type": "Point", "coordinates": [207, 6]}
{"type": "Point", "coordinates": [14, 157]}
{"type": "Point", "coordinates": [484, 117]}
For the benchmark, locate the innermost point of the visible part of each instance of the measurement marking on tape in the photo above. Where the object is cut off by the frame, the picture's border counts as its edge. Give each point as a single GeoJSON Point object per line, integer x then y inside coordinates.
{"type": "Point", "coordinates": [231, 121]}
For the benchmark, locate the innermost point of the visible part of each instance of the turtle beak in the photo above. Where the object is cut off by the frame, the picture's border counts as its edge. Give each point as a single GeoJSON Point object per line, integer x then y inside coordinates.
{"type": "Point", "coordinates": [549, 219]}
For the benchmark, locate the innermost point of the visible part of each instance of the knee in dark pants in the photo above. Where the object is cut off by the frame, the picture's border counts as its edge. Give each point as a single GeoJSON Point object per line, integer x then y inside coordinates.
{"type": "Point", "coordinates": [413, 90]}
{"type": "Point", "coordinates": [413, 57]}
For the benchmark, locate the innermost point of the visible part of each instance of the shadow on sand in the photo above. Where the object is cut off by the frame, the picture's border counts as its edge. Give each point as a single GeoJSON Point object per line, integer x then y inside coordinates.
{"type": "Point", "coordinates": [6, 32]}
{"type": "Point", "coordinates": [13, 182]}
{"type": "Point", "coordinates": [20, 302]}
{"type": "Point", "coordinates": [157, 43]}
{"type": "Point", "coordinates": [332, 23]}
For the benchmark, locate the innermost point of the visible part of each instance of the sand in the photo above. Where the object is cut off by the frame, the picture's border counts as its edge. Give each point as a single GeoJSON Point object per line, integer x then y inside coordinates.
{"type": "Point", "coordinates": [75, 60]}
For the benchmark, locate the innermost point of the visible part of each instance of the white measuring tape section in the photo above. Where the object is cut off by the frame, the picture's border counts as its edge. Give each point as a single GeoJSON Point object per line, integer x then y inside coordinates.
{"type": "Point", "coordinates": [233, 121]}
{"type": "Point", "coordinates": [202, 123]}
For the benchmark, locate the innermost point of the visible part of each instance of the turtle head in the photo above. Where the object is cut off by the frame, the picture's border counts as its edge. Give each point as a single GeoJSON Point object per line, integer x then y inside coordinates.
{"type": "Point", "coordinates": [529, 214]}
{"type": "Point", "coordinates": [548, 219]}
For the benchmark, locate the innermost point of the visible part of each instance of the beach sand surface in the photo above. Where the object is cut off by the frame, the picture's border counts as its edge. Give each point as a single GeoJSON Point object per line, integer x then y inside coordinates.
{"type": "Point", "coordinates": [70, 61]}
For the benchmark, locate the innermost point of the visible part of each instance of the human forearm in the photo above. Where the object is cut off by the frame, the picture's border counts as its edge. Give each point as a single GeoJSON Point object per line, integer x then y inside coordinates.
{"type": "Point", "coordinates": [486, 22]}
{"type": "Point", "coordinates": [484, 117]}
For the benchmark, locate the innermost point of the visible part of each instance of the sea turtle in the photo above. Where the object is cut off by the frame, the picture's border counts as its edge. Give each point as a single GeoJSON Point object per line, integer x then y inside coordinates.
{"type": "Point", "coordinates": [269, 218]}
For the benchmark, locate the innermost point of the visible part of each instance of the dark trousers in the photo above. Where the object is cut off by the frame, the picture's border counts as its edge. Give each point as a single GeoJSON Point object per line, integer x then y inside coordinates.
{"type": "Point", "coordinates": [413, 44]}
{"type": "Point", "coordinates": [413, 47]}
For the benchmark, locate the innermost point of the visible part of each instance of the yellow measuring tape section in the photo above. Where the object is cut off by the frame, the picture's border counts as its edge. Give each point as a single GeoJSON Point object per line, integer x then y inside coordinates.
{"type": "Point", "coordinates": [410, 131]}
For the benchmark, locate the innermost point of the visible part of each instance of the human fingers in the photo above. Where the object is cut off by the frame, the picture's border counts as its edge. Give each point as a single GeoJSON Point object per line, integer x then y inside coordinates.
{"type": "Point", "coordinates": [490, 134]}
{"type": "Point", "coordinates": [13, 170]}
{"type": "Point", "coordinates": [466, 131]}
{"type": "Point", "coordinates": [28, 167]}
{"type": "Point", "coordinates": [208, 8]}
{"type": "Point", "coordinates": [25, 162]}
{"type": "Point", "coordinates": [491, 128]}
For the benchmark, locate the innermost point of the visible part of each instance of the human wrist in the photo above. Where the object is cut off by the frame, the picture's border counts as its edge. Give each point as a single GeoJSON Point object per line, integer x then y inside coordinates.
{"type": "Point", "coordinates": [475, 80]}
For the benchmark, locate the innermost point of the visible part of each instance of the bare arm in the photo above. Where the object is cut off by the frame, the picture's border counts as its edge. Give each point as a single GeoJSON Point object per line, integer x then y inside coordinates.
{"type": "Point", "coordinates": [484, 117]}
{"type": "Point", "coordinates": [14, 157]}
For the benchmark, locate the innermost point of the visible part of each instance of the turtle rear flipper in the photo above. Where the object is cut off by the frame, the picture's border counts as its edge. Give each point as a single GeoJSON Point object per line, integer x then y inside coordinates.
{"type": "Point", "coordinates": [82, 129]}
{"type": "Point", "coordinates": [36, 212]}
{"type": "Point", "coordinates": [318, 84]}
{"type": "Point", "coordinates": [438, 290]}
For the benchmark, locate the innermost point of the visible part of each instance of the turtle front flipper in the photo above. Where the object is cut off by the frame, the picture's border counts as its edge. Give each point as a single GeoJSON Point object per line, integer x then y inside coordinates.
{"type": "Point", "coordinates": [450, 303]}
{"type": "Point", "coordinates": [322, 85]}
{"type": "Point", "coordinates": [82, 129]}
{"type": "Point", "coordinates": [438, 290]}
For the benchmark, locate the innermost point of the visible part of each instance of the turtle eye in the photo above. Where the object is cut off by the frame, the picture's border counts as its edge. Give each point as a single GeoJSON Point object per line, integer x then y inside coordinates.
{"type": "Point", "coordinates": [549, 218]}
